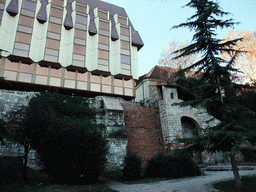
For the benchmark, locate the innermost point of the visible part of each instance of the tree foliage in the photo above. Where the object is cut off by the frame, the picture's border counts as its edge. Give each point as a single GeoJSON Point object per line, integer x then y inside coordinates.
{"type": "Point", "coordinates": [246, 62]}
{"type": "Point", "coordinates": [214, 89]}
{"type": "Point", "coordinates": [63, 131]}
{"type": "Point", "coordinates": [5, 132]}
{"type": "Point", "coordinates": [168, 55]}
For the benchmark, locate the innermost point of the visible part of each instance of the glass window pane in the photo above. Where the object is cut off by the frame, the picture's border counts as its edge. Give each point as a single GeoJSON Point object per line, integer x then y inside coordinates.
{"type": "Point", "coordinates": [118, 90]}
{"type": "Point", "coordinates": [41, 80]}
{"type": "Point", "coordinates": [128, 92]}
{"type": "Point", "coordinates": [24, 77]}
{"type": "Point", "coordinates": [55, 81]}
{"type": "Point", "coordinates": [10, 75]}
{"type": "Point", "coordinates": [81, 85]}
{"type": "Point", "coordinates": [95, 87]}
{"type": "Point", "coordinates": [106, 88]}
{"type": "Point", "coordinates": [125, 59]}
{"type": "Point", "coordinates": [81, 19]}
{"type": "Point", "coordinates": [29, 5]}
{"type": "Point", "coordinates": [69, 83]}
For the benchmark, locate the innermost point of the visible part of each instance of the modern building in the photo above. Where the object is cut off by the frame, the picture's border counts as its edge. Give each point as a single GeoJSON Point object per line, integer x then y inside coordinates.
{"type": "Point", "coordinates": [80, 47]}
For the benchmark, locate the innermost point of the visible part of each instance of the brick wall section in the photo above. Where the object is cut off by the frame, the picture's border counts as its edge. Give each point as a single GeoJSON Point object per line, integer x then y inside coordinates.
{"type": "Point", "coordinates": [143, 130]}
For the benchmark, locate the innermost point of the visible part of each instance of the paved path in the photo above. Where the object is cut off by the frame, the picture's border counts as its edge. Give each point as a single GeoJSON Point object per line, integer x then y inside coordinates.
{"type": "Point", "coordinates": [195, 184]}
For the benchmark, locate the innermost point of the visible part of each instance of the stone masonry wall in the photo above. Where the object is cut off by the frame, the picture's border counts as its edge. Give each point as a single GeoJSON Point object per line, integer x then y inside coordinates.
{"type": "Point", "coordinates": [12, 101]}
{"type": "Point", "coordinates": [143, 130]}
{"type": "Point", "coordinates": [171, 115]}
{"type": "Point", "coordinates": [112, 120]}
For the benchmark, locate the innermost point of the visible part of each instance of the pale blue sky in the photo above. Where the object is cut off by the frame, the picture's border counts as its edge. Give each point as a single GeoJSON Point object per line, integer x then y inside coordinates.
{"type": "Point", "coordinates": [154, 18]}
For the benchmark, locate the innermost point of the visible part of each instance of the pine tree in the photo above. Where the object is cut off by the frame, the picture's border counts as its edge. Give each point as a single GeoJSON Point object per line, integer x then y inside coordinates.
{"type": "Point", "coordinates": [213, 89]}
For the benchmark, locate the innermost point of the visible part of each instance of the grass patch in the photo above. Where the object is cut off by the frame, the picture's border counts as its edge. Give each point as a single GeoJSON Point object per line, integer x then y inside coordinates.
{"type": "Point", "coordinates": [248, 182]}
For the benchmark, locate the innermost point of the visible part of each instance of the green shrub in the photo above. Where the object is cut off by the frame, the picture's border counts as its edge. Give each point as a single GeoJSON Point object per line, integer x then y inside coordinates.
{"type": "Point", "coordinates": [10, 167]}
{"type": "Point", "coordinates": [132, 167]}
{"type": "Point", "coordinates": [71, 146]}
{"type": "Point", "coordinates": [156, 166]}
{"type": "Point", "coordinates": [175, 165]}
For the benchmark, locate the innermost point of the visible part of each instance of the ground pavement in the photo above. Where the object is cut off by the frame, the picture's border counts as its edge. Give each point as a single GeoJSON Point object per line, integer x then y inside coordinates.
{"type": "Point", "coordinates": [195, 184]}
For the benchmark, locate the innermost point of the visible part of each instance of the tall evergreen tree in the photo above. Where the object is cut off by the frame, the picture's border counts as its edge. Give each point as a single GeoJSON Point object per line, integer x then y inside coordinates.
{"type": "Point", "coordinates": [214, 89]}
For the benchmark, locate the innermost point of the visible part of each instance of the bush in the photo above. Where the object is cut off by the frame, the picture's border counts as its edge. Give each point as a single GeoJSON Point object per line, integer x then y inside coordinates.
{"type": "Point", "coordinates": [132, 167]}
{"type": "Point", "coordinates": [156, 166]}
{"type": "Point", "coordinates": [10, 167]}
{"type": "Point", "coordinates": [69, 143]}
{"type": "Point", "coordinates": [171, 166]}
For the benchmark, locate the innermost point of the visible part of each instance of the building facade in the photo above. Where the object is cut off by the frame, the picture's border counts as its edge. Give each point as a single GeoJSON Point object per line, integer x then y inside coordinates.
{"type": "Point", "coordinates": [86, 47]}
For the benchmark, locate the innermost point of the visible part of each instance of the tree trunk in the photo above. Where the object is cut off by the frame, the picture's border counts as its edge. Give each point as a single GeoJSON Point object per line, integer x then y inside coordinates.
{"type": "Point", "coordinates": [24, 172]}
{"type": "Point", "coordinates": [236, 173]}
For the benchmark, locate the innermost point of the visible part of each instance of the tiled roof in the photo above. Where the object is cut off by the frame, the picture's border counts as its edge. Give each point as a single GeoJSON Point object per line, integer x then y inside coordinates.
{"type": "Point", "coordinates": [162, 73]}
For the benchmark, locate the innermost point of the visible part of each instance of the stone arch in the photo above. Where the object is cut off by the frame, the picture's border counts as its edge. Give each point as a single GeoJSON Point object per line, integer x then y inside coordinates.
{"type": "Point", "coordinates": [190, 126]}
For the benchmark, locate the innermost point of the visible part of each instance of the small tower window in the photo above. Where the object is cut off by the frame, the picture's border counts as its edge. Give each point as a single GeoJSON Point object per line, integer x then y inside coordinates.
{"type": "Point", "coordinates": [172, 96]}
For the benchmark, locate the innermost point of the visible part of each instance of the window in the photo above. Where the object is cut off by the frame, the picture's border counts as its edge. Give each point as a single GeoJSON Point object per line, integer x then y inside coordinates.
{"type": "Point", "coordinates": [125, 59]}
{"type": "Point", "coordinates": [29, 5]}
{"type": "Point", "coordinates": [81, 19]}
{"type": "Point", "coordinates": [172, 96]}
